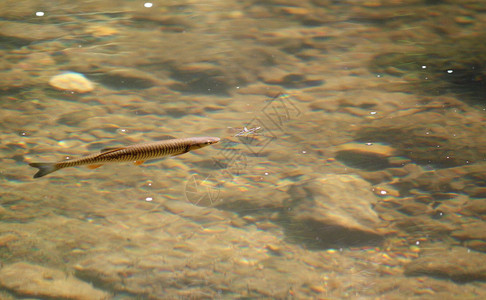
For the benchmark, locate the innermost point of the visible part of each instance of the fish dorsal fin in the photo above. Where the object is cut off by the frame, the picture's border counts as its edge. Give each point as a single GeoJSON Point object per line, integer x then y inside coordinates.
{"type": "Point", "coordinates": [111, 149]}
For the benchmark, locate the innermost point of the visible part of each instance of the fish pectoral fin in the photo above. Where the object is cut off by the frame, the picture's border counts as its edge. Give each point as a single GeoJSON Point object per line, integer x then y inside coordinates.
{"type": "Point", "coordinates": [110, 149]}
{"type": "Point", "coordinates": [94, 166]}
{"type": "Point", "coordinates": [138, 162]}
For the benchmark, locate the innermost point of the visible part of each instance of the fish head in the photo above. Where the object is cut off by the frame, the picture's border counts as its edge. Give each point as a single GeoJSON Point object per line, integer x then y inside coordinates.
{"type": "Point", "coordinates": [200, 142]}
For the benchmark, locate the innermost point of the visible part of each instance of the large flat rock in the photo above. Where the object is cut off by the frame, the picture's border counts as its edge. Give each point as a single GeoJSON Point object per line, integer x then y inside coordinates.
{"type": "Point", "coordinates": [335, 210]}
{"type": "Point", "coordinates": [37, 281]}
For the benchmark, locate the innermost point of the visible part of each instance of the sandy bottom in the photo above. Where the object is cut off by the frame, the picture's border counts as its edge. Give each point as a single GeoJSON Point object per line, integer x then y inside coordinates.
{"type": "Point", "coordinates": [330, 181]}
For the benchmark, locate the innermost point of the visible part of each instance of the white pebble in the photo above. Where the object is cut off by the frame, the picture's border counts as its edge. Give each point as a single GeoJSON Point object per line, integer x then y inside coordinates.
{"type": "Point", "coordinates": [72, 81]}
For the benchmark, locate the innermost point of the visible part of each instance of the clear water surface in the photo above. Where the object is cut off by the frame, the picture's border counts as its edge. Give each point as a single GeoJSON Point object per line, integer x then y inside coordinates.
{"type": "Point", "coordinates": [351, 161]}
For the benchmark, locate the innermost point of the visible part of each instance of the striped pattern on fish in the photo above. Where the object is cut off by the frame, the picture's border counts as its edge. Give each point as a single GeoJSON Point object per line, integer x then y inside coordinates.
{"type": "Point", "coordinates": [137, 153]}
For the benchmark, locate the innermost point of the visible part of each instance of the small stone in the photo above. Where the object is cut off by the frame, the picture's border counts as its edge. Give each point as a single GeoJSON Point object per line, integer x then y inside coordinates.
{"type": "Point", "coordinates": [367, 156]}
{"type": "Point", "coordinates": [295, 10]}
{"type": "Point", "coordinates": [386, 191]}
{"type": "Point", "coordinates": [101, 31]}
{"type": "Point", "coordinates": [399, 161]}
{"type": "Point", "coordinates": [367, 148]}
{"type": "Point", "coordinates": [464, 19]}
{"type": "Point", "coordinates": [72, 81]}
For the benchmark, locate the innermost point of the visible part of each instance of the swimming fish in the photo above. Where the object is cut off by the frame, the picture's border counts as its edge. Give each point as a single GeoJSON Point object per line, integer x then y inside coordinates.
{"type": "Point", "coordinates": [137, 153]}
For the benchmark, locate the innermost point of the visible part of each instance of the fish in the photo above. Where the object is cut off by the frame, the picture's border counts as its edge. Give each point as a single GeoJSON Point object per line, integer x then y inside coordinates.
{"type": "Point", "coordinates": [137, 153]}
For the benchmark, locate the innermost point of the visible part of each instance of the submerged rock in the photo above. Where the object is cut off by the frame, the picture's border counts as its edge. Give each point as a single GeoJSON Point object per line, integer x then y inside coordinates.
{"type": "Point", "coordinates": [335, 210]}
{"type": "Point", "coordinates": [442, 138]}
{"type": "Point", "coordinates": [458, 264]}
{"type": "Point", "coordinates": [36, 281]}
{"type": "Point", "coordinates": [367, 156]}
{"type": "Point", "coordinates": [72, 81]}
{"type": "Point", "coordinates": [455, 64]}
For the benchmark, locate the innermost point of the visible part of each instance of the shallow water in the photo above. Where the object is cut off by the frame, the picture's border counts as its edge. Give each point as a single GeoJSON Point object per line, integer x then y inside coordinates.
{"type": "Point", "coordinates": [351, 161]}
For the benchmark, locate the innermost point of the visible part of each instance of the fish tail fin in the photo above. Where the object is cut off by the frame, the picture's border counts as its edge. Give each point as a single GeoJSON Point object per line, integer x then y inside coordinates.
{"type": "Point", "coordinates": [44, 168]}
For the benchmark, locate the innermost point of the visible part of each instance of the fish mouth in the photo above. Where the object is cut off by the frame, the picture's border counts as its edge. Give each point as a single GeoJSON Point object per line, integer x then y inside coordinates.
{"type": "Point", "coordinates": [214, 140]}
{"type": "Point", "coordinates": [205, 141]}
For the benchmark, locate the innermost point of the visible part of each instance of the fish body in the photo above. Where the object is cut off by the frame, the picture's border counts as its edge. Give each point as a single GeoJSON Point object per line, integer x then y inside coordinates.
{"type": "Point", "coordinates": [137, 153]}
